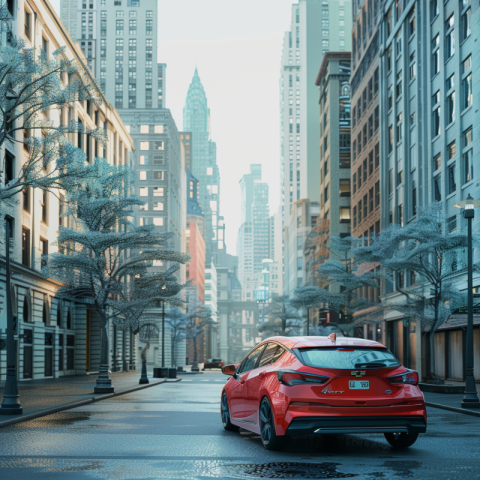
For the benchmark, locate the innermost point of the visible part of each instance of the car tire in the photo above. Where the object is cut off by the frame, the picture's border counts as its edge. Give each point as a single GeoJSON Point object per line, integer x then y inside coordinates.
{"type": "Point", "coordinates": [270, 439]}
{"type": "Point", "coordinates": [225, 410]}
{"type": "Point", "coordinates": [401, 440]}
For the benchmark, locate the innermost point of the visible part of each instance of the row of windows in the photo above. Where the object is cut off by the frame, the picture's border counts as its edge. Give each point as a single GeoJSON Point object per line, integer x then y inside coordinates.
{"type": "Point", "coordinates": [368, 94]}
{"type": "Point", "coordinates": [367, 204]}
{"type": "Point", "coordinates": [368, 166]}
{"type": "Point", "coordinates": [366, 134]}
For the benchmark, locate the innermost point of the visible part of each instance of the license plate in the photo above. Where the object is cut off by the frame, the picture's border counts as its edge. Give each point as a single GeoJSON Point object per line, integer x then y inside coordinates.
{"type": "Point", "coordinates": [358, 385]}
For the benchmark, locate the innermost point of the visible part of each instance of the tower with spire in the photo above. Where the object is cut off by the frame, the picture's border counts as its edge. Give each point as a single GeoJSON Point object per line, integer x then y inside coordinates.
{"type": "Point", "coordinates": [196, 119]}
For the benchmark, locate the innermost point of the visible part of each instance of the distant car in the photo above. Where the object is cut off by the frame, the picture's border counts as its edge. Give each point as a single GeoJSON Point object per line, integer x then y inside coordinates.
{"type": "Point", "coordinates": [213, 363]}
{"type": "Point", "coordinates": [305, 385]}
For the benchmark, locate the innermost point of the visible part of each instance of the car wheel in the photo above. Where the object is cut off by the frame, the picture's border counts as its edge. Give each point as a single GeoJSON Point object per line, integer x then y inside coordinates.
{"type": "Point", "coordinates": [227, 424]}
{"type": "Point", "coordinates": [270, 439]}
{"type": "Point", "coordinates": [401, 440]}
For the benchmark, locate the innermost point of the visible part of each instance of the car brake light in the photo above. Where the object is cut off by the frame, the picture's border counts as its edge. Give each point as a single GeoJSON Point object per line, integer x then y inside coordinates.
{"type": "Point", "coordinates": [291, 377]}
{"type": "Point", "coordinates": [410, 377]}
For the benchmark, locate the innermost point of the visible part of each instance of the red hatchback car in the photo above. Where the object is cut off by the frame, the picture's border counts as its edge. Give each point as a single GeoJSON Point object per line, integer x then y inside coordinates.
{"type": "Point", "coordinates": [303, 385]}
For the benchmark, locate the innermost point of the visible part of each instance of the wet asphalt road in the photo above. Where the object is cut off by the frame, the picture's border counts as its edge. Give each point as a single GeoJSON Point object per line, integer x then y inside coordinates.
{"type": "Point", "coordinates": [174, 431]}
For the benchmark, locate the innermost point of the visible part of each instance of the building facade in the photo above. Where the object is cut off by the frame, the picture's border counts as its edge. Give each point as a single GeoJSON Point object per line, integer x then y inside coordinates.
{"type": "Point", "coordinates": [365, 120]}
{"type": "Point", "coordinates": [119, 40]}
{"type": "Point", "coordinates": [430, 134]}
{"type": "Point", "coordinates": [318, 26]}
{"type": "Point", "coordinates": [334, 89]}
{"type": "Point", "coordinates": [305, 217]}
{"type": "Point", "coordinates": [56, 337]}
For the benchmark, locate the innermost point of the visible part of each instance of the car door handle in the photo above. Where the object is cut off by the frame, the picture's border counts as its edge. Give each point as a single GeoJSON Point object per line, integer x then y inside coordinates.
{"type": "Point", "coordinates": [262, 374]}
{"type": "Point", "coordinates": [242, 381]}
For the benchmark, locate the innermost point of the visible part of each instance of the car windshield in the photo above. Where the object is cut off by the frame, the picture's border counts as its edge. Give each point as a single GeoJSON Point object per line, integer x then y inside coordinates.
{"type": "Point", "coordinates": [348, 357]}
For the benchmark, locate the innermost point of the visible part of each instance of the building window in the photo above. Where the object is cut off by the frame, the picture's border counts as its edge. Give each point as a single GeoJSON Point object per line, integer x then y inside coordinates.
{"type": "Point", "coordinates": [467, 156]}
{"type": "Point", "coordinates": [390, 139]}
{"type": "Point", "coordinates": [436, 55]}
{"type": "Point", "coordinates": [411, 24]}
{"type": "Point", "coordinates": [25, 247]}
{"type": "Point", "coordinates": [466, 25]}
{"type": "Point", "coordinates": [399, 127]}
{"type": "Point", "coordinates": [450, 37]}
{"type": "Point", "coordinates": [144, 146]}
{"type": "Point", "coordinates": [438, 188]}
{"type": "Point", "coordinates": [345, 187]}
{"type": "Point", "coordinates": [119, 29]}
{"type": "Point", "coordinates": [437, 162]}
{"type": "Point", "coordinates": [377, 194]}
{"type": "Point", "coordinates": [452, 186]}
{"type": "Point", "coordinates": [451, 108]}
{"type": "Point", "coordinates": [344, 215]}
{"type": "Point", "coordinates": [467, 91]}
{"type": "Point", "coordinates": [144, 191]}
{"type": "Point", "coordinates": [44, 204]}
{"type": "Point", "coordinates": [436, 122]}
{"type": "Point", "coordinates": [400, 215]}
{"type": "Point", "coordinates": [28, 25]}
{"type": "Point", "coordinates": [434, 8]}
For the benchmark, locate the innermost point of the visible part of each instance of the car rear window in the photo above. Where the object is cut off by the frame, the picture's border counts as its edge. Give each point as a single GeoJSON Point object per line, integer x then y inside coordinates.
{"type": "Point", "coordinates": [347, 358]}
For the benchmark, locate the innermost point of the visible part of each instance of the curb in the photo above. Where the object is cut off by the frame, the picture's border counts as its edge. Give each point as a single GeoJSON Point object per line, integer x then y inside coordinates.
{"type": "Point", "coordinates": [61, 408]}
{"type": "Point", "coordinates": [454, 409]}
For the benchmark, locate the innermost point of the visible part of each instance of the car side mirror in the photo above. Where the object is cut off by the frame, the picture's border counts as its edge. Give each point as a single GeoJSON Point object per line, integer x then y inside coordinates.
{"type": "Point", "coordinates": [229, 369]}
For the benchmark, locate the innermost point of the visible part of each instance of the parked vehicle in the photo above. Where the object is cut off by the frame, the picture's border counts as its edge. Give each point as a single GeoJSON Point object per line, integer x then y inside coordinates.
{"type": "Point", "coordinates": [303, 385]}
{"type": "Point", "coordinates": [213, 363]}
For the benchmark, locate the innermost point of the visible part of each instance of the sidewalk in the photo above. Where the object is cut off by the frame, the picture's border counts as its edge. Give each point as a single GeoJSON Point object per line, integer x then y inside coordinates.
{"type": "Point", "coordinates": [451, 401]}
{"type": "Point", "coordinates": [37, 396]}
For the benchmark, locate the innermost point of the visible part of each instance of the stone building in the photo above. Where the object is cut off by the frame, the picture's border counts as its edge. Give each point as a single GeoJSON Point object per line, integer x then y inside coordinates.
{"type": "Point", "coordinates": [56, 338]}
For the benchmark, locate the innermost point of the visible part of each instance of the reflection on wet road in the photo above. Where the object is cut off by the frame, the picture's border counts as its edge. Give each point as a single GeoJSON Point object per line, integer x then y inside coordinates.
{"type": "Point", "coordinates": [174, 431]}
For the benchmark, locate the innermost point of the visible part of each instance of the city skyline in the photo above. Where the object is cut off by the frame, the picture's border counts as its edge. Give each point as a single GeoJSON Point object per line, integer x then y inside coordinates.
{"type": "Point", "coordinates": [197, 40]}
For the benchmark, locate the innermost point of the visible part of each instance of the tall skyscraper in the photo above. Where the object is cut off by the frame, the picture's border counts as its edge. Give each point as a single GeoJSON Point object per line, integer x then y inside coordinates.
{"type": "Point", "coordinates": [119, 40]}
{"type": "Point", "coordinates": [318, 26]}
{"type": "Point", "coordinates": [365, 168]}
{"type": "Point", "coordinates": [196, 120]}
{"type": "Point", "coordinates": [334, 89]}
{"type": "Point", "coordinates": [253, 242]}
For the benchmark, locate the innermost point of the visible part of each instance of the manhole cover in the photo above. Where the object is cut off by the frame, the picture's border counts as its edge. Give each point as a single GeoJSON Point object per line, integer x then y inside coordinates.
{"type": "Point", "coordinates": [282, 470]}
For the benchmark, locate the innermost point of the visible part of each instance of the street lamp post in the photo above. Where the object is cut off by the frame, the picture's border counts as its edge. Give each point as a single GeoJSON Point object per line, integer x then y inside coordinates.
{"type": "Point", "coordinates": [470, 399]}
{"type": "Point", "coordinates": [11, 402]}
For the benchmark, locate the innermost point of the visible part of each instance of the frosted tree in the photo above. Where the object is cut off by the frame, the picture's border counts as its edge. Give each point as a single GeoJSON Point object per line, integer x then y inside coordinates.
{"type": "Point", "coordinates": [107, 259]}
{"type": "Point", "coordinates": [422, 261]}
{"type": "Point", "coordinates": [344, 277]}
{"type": "Point", "coordinates": [34, 102]}
{"type": "Point", "coordinates": [283, 318]}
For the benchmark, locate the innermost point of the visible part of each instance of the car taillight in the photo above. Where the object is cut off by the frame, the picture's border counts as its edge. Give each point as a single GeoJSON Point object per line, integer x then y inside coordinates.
{"type": "Point", "coordinates": [291, 377]}
{"type": "Point", "coordinates": [409, 377]}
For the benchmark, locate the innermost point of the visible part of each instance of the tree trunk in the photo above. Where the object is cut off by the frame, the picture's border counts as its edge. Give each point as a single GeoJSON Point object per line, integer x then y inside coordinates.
{"type": "Point", "coordinates": [104, 383]}
{"type": "Point", "coordinates": [432, 347]}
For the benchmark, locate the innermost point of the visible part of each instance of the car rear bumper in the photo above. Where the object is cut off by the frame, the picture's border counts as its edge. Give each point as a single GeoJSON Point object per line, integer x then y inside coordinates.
{"type": "Point", "coordinates": [364, 424]}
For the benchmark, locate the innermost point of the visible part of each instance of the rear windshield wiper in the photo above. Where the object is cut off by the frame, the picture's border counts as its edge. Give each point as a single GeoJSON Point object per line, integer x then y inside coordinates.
{"type": "Point", "coordinates": [371, 364]}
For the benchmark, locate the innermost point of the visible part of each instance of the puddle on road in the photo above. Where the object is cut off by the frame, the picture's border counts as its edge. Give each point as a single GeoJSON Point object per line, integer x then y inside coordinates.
{"type": "Point", "coordinates": [281, 470]}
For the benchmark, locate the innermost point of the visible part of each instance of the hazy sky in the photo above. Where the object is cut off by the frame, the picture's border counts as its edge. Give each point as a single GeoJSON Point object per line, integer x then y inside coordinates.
{"type": "Point", "coordinates": [237, 46]}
